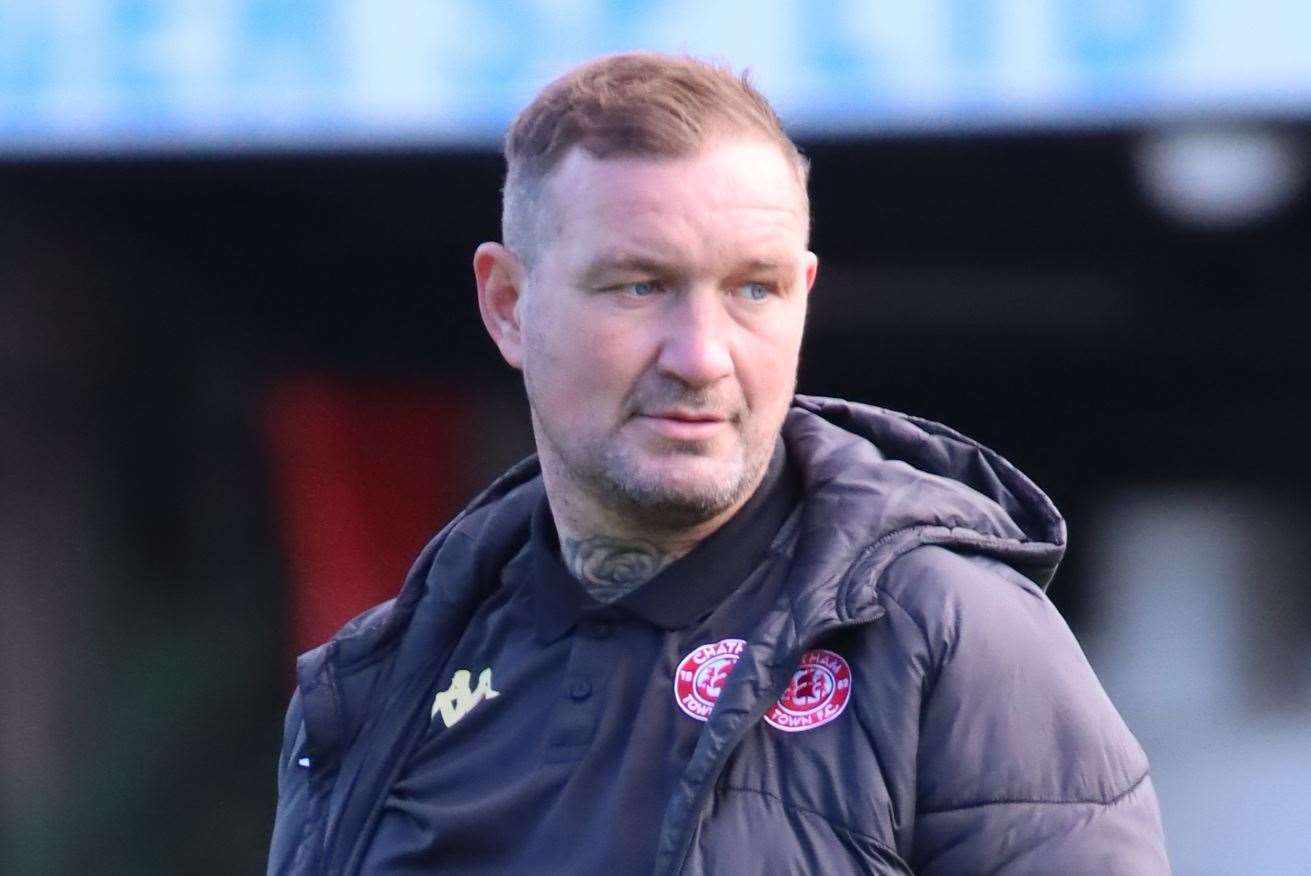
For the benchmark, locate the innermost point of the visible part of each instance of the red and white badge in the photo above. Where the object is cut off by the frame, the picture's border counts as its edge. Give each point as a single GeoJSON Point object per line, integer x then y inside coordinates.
{"type": "Point", "coordinates": [701, 675]}
{"type": "Point", "coordinates": [818, 692]}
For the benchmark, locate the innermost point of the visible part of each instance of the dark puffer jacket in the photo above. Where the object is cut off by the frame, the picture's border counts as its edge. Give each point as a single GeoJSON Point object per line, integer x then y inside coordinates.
{"type": "Point", "coordinates": [976, 738]}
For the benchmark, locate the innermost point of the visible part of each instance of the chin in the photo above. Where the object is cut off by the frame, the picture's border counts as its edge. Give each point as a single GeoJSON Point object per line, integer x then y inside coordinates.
{"type": "Point", "coordinates": [689, 490]}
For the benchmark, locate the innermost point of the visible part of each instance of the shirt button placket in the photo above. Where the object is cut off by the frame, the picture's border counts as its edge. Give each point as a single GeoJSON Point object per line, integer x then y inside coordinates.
{"type": "Point", "coordinates": [600, 629]}
{"type": "Point", "coordinates": [576, 717]}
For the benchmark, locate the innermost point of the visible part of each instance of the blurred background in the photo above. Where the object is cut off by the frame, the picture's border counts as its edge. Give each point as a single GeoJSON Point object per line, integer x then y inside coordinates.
{"type": "Point", "coordinates": [243, 379]}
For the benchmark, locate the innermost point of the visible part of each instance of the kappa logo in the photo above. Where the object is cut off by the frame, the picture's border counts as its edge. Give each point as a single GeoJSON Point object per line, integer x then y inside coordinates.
{"type": "Point", "coordinates": [456, 701]}
{"type": "Point", "coordinates": [818, 692]}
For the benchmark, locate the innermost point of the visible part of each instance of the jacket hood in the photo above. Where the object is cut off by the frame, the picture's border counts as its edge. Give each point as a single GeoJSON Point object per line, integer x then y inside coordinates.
{"type": "Point", "coordinates": [878, 483]}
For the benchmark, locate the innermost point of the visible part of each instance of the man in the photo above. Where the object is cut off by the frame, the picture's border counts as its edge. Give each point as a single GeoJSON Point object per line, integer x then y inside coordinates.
{"type": "Point", "coordinates": [711, 627]}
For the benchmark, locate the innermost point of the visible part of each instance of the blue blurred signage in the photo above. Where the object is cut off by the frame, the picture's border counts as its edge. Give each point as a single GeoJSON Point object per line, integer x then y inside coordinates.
{"type": "Point", "coordinates": [94, 75]}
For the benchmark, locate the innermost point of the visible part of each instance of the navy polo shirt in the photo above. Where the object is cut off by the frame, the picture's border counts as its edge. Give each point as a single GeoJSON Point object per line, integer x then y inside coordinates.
{"type": "Point", "coordinates": [556, 737]}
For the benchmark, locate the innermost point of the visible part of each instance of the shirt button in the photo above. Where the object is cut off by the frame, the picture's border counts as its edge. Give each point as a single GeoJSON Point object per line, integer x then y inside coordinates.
{"type": "Point", "coordinates": [580, 688]}
{"type": "Point", "coordinates": [599, 629]}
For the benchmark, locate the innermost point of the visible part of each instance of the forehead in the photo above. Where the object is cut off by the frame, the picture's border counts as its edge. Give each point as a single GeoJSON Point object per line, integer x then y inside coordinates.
{"type": "Point", "coordinates": [738, 196]}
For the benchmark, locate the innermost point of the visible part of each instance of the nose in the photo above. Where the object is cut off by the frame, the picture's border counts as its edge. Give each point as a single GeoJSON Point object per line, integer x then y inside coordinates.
{"type": "Point", "coordinates": [696, 345]}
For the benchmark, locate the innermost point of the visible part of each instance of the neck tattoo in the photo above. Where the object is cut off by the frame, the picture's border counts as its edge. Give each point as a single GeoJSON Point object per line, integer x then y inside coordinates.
{"type": "Point", "coordinates": [612, 567]}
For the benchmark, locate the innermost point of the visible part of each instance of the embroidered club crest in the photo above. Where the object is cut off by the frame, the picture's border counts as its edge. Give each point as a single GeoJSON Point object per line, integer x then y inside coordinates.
{"type": "Point", "coordinates": [818, 692]}
{"type": "Point", "coordinates": [701, 675]}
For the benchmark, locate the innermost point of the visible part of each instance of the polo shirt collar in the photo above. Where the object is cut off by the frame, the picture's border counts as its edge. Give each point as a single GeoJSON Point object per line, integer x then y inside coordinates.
{"type": "Point", "coordinates": [684, 591]}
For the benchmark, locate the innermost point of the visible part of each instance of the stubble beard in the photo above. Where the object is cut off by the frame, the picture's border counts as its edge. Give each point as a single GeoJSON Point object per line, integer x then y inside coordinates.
{"type": "Point", "coordinates": [642, 483]}
{"type": "Point", "coordinates": [650, 491]}
{"type": "Point", "coordinates": [665, 498]}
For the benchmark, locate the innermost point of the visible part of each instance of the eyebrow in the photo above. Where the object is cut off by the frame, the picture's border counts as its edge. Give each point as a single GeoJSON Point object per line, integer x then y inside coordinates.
{"type": "Point", "coordinates": [633, 264]}
{"type": "Point", "coordinates": [763, 266]}
{"type": "Point", "coordinates": [624, 264]}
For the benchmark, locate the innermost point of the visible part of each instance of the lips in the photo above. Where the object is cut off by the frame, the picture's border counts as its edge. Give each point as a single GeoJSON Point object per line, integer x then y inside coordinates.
{"type": "Point", "coordinates": [684, 416]}
{"type": "Point", "coordinates": [684, 425]}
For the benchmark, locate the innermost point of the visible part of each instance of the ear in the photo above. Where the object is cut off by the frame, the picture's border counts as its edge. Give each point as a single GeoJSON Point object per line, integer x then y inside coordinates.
{"type": "Point", "coordinates": [500, 294]}
{"type": "Point", "coordinates": [811, 269]}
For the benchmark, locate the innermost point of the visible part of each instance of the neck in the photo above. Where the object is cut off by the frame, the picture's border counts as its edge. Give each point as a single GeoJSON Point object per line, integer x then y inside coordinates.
{"type": "Point", "coordinates": [612, 566]}
{"type": "Point", "coordinates": [612, 555]}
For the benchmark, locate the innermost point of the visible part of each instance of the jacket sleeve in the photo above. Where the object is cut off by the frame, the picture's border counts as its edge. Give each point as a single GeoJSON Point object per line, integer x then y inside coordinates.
{"type": "Point", "coordinates": [293, 795]}
{"type": "Point", "coordinates": [1024, 766]}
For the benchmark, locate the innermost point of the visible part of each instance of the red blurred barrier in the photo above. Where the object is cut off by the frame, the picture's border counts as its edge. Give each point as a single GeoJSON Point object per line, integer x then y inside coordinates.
{"type": "Point", "coordinates": [362, 473]}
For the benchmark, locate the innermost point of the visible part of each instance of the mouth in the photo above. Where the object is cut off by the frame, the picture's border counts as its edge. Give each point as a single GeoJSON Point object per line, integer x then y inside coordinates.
{"type": "Point", "coordinates": [684, 415]}
{"type": "Point", "coordinates": [682, 424]}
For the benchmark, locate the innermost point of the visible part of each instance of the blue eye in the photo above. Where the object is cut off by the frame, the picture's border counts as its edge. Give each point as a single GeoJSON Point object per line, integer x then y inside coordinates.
{"type": "Point", "coordinates": [754, 291]}
{"type": "Point", "coordinates": [643, 288]}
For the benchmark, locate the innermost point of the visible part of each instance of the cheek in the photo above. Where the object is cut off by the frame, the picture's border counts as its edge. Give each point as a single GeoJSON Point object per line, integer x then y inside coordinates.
{"type": "Point", "coordinates": [770, 367]}
{"type": "Point", "coordinates": [577, 359]}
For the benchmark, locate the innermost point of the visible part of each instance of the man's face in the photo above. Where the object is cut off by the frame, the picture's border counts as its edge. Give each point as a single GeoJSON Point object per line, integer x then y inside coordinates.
{"type": "Point", "coordinates": [662, 323]}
